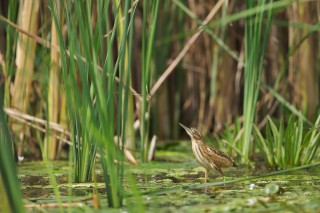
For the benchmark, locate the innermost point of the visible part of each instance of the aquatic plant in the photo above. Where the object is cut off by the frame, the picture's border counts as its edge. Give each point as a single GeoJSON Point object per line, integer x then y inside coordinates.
{"type": "Point", "coordinates": [89, 76]}
{"type": "Point", "coordinates": [257, 30]}
{"type": "Point", "coordinates": [147, 51]}
{"type": "Point", "coordinates": [290, 145]}
{"type": "Point", "coordinates": [10, 192]}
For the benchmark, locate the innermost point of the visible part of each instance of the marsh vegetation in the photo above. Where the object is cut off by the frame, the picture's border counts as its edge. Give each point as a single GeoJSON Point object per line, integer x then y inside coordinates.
{"type": "Point", "coordinates": [92, 94]}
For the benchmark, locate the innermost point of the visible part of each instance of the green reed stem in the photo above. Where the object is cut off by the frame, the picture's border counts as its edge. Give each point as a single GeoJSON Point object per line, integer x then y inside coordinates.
{"type": "Point", "coordinates": [255, 44]}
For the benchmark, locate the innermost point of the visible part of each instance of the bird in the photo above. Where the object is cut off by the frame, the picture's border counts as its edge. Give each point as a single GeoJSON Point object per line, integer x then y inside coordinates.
{"type": "Point", "coordinates": [209, 158]}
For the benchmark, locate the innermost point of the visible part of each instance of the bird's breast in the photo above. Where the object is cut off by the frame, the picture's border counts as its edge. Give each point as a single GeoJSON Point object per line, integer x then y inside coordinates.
{"type": "Point", "coordinates": [200, 155]}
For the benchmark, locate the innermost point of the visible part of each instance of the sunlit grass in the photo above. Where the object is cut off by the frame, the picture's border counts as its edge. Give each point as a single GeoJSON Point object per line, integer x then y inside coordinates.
{"type": "Point", "coordinates": [256, 36]}
{"type": "Point", "coordinates": [91, 98]}
{"type": "Point", "coordinates": [103, 56]}
{"type": "Point", "coordinates": [147, 70]}
{"type": "Point", "coordinates": [288, 145]}
{"type": "Point", "coordinates": [11, 196]}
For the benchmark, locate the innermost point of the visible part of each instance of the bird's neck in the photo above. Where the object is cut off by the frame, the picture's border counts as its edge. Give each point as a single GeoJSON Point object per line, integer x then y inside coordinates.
{"type": "Point", "coordinates": [197, 142]}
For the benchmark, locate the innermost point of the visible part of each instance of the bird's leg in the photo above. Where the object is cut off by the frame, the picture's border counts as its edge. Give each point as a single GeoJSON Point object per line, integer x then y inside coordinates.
{"type": "Point", "coordinates": [205, 175]}
{"type": "Point", "coordinates": [219, 170]}
{"type": "Point", "coordinates": [205, 179]}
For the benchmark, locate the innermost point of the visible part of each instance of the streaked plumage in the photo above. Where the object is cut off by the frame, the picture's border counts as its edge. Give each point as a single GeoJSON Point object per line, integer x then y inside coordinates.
{"type": "Point", "coordinates": [208, 157]}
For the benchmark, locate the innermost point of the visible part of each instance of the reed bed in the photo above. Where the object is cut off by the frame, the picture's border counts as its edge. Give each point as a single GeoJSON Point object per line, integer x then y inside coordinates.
{"type": "Point", "coordinates": [103, 75]}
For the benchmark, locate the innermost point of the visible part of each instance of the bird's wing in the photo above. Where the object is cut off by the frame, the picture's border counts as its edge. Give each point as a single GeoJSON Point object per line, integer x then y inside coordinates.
{"type": "Point", "coordinates": [214, 166]}
{"type": "Point", "coordinates": [213, 152]}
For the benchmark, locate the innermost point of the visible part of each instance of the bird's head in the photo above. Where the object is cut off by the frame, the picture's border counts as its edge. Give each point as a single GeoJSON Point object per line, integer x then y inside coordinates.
{"type": "Point", "coordinates": [193, 133]}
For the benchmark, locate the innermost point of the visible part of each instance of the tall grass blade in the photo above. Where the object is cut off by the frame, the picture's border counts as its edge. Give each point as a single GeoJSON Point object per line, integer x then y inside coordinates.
{"type": "Point", "coordinates": [11, 41]}
{"type": "Point", "coordinates": [91, 92]}
{"type": "Point", "coordinates": [263, 146]}
{"type": "Point", "coordinates": [255, 43]}
{"type": "Point", "coordinates": [147, 49]}
{"type": "Point", "coordinates": [290, 146]}
{"type": "Point", "coordinates": [8, 172]}
{"type": "Point", "coordinates": [286, 103]}
{"type": "Point", "coordinates": [312, 143]}
{"type": "Point", "coordinates": [125, 77]}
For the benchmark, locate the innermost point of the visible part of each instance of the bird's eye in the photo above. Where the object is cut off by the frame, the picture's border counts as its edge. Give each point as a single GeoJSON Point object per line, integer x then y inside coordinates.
{"type": "Point", "coordinates": [196, 134]}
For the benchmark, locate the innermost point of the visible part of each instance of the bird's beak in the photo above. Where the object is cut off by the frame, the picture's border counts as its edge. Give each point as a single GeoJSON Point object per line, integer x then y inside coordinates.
{"type": "Point", "coordinates": [188, 130]}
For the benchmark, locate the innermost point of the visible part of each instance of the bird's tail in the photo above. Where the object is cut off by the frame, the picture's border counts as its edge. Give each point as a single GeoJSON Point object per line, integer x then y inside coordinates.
{"type": "Point", "coordinates": [234, 164]}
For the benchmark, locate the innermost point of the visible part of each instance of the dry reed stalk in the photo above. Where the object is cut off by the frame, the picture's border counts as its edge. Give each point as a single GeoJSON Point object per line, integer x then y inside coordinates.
{"type": "Point", "coordinates": [200, 55]}
{"type": "Point", "coordinates": [55, 130]}
{"type": "Point", "coordinates": [47, 44]}
{"type": "Point", "coordinates": [185, 49]}
{"type": "Point", "coordinates": [225, 106]}
{"type": "Point", "coordinates": [302, 64]}
{"type": "Point", "coordinates": [222, 97]}
{"type": "Point", "coordinates": [54, 99]}
{"type": "Point", "coordinates": [28, 20]}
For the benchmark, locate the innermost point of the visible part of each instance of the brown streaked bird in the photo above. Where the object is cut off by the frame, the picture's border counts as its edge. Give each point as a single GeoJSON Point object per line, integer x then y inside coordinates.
{"type": "Point", "coordinates": [208, 157]}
